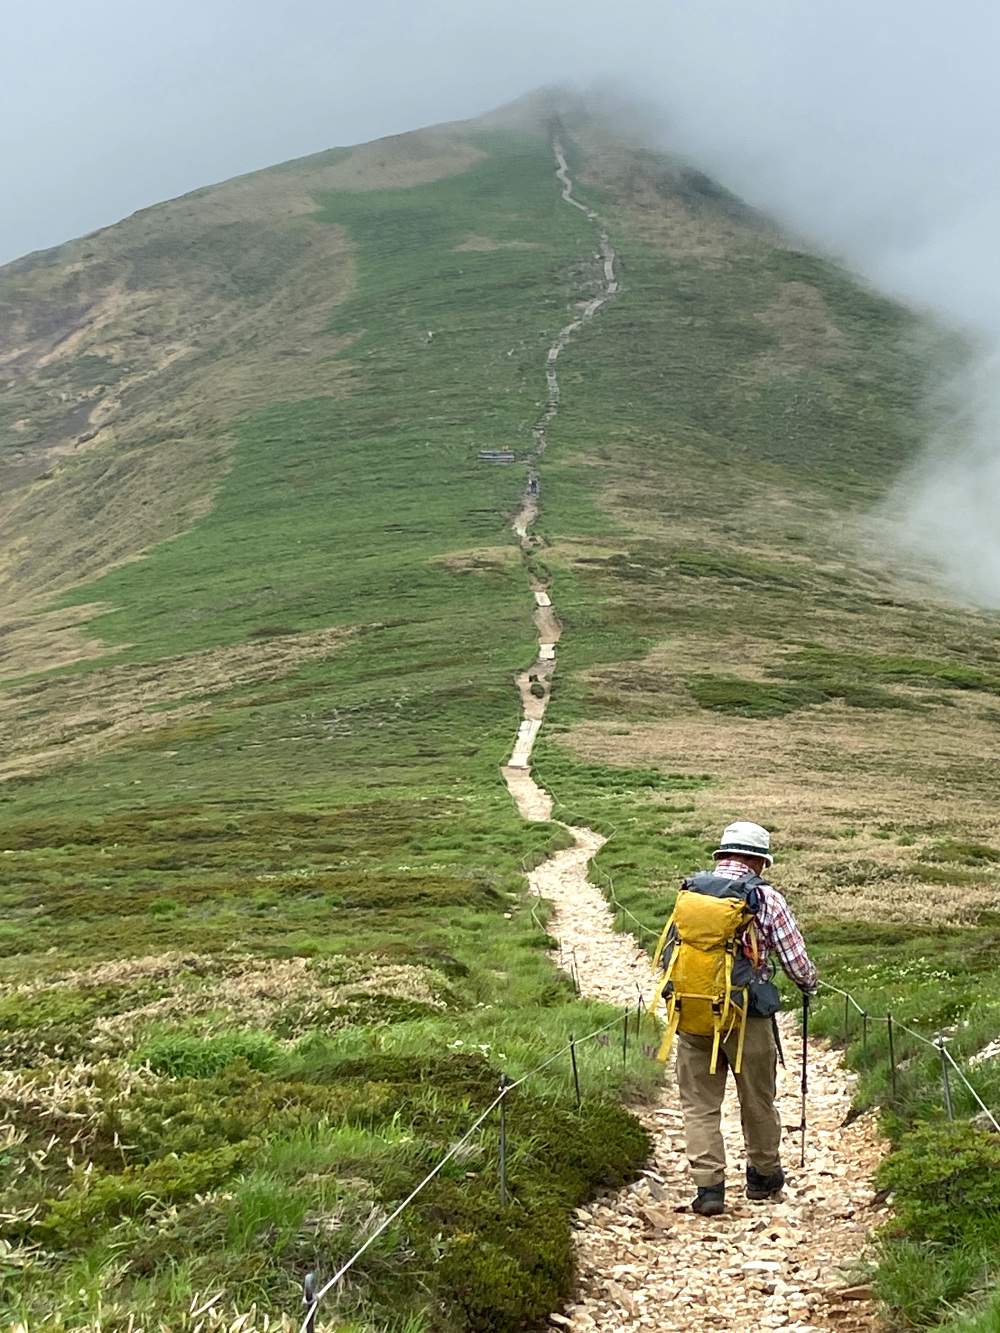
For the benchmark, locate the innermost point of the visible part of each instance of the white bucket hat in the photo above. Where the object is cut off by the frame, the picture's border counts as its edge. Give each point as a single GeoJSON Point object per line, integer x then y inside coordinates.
{"type": "Point", "coordinates": [750, 839]}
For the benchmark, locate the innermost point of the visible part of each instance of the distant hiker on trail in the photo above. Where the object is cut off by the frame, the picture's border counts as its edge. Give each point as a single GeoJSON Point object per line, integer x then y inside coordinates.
{"type": "Point", "coordinates": [720, 1004]}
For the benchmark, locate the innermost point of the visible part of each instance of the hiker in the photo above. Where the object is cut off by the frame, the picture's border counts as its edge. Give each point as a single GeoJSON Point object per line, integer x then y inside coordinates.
{"type": "Point", "coordinates": [720, 1004]}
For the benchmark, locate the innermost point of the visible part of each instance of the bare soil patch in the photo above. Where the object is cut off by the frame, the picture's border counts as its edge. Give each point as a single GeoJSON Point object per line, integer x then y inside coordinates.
{"type": "Point", "coordinates": [474, 242]}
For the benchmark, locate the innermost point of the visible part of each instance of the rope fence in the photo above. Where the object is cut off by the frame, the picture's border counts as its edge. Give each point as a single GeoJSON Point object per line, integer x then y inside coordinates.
{"type": "Point", "coordinates": [950, 1067]}
{"type": "Point", "coordinates": [938, 1042]}
{"type": "Point", "coordinates": [313, 1295]}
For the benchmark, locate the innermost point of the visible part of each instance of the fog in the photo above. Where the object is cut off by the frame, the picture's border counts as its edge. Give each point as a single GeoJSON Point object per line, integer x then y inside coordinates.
{"type": "Point", "coordinates": [872, 129]}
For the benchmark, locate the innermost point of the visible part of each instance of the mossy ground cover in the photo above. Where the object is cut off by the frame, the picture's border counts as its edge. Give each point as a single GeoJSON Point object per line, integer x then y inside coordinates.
{"type": "Point", "coordinates": [937, 1254]}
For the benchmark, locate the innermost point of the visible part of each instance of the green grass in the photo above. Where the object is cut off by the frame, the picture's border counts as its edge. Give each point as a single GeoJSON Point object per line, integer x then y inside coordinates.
{"type": "Point", "coordinates": [282, 950]}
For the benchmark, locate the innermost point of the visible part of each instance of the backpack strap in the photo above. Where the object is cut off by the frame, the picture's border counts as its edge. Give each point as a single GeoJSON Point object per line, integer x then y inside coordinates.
{"type": "Point", "coordinates": [668, 1036]}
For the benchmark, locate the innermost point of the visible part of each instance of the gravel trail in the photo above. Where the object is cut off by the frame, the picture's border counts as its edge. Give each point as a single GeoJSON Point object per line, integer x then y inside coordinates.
{"type": "Point", "coordinates": [644, 1260]}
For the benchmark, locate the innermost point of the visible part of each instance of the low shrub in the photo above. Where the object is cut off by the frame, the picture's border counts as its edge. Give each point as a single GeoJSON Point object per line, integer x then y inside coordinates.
{"type": "Point", "coordinates": [507, 1269]}
{"type": "Point", "coordinates": [181, 1055]}
{"type": "Point", "coordinates": [97, 1196]}
{"type": "Point", "coordinates": [750, 698]}
{"type": "Point", "coordinates": [945, 1180]}
{"type": "Point", "coordinates": [965, 853]}
{"type": "Point", "coordinates": [505, 1274]}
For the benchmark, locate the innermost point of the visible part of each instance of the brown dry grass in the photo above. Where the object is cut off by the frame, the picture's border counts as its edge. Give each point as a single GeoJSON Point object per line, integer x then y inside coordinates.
{"type": "Point", "coordinates": [209, 1313]}
{"type": "Point", "coordinates": [256, 992]}
{"type": "Point", "coordinates": [402, 160]}
{"type": "Point", "coordinates": [222, 993]}
{"type": "Point", "coordinates": [653, 205]}
{"type": "Point", "coordinates": [48, 640]}
{"type": "Point", "coordinates": [69, 718]}
{"type": "Point", "coordinates": [815, 775]}
{"type": "Point", "coordinates": [204, 309]}
{"type": "Point", "coordinates": [807, 336]}
{"type": "Point", "coordinates": [87, 492]}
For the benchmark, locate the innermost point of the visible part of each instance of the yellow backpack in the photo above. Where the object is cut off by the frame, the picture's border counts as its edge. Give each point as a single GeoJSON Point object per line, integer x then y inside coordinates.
{"type": "Point", "coordinates": [706, 971]}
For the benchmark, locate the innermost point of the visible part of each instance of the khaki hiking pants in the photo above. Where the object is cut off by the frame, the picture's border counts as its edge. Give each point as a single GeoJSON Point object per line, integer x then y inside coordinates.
{"type": "Point", "coordinates": [701, 1101]}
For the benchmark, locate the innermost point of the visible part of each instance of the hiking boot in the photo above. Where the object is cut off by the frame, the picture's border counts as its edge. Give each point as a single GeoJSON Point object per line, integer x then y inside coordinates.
{"type": "Point", "coordinates": [711, 1200]}
{"type": "Point", "coordinates": [763, 1187]}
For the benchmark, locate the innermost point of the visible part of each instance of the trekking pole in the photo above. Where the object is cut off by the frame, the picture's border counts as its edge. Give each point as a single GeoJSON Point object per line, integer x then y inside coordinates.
{"type": "Point", "coordinates": [805, 1071]}
{"type": "Point", "coordinates": [777, 1040]}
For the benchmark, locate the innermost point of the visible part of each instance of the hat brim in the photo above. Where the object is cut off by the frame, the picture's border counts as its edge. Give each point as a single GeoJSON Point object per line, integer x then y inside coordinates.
{"type": "Point", "coordinates": [766, 857]}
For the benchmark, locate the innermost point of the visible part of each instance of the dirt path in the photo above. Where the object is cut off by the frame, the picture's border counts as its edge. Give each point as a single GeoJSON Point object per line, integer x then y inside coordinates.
{"type": "Point", "coordinates": [644, 1260]}
{"type": "Point", "coordinates": [539, 674]}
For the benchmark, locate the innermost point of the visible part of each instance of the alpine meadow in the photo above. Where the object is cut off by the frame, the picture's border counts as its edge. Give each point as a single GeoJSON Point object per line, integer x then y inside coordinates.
{"type": "Point", "coordinates": [268, 947]}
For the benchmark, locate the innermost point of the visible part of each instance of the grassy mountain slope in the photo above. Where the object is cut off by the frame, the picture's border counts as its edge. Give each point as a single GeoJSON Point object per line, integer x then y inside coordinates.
{"type": "Point", "coordinates": [257, 853]}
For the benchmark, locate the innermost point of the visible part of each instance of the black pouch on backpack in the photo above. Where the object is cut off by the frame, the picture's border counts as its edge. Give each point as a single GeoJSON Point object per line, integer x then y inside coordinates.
{"type": "Point", "coordinates": [765, 999]}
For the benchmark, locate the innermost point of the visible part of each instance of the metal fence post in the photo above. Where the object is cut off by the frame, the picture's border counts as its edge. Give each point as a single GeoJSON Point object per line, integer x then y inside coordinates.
{"type": "Point", "coordinates": [939, 1043]}
{"type": "Point", "coordinates": [864, 1030]}
{"type": "Point", "coordinates": [576, 1072]}
{"type": "Point", "coordinates": [503, 1140]}
{"type": "Point", "coordinates": [892, 1055]}
{"type": "Point", "coordinates": [847, 1020]}
{"type": "Point", "coordinates": [625, 1037]}
{"type": "Point", "coordinates": [308, 1300]}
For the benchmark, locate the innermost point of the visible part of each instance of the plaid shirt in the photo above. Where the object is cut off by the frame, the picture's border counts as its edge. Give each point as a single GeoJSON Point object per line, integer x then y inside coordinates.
{"type": "Point", "coordinates": [777, 930]}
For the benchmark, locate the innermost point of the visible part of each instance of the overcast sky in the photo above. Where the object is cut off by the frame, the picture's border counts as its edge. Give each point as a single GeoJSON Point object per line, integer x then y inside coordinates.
{"type": "Point", "coordinates": [873, 126]}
